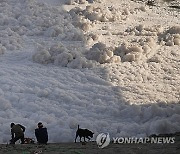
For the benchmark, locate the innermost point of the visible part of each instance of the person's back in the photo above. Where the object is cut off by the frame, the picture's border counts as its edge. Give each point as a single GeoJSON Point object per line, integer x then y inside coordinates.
{"type": "Point", "coordinates": [41, 134]}
{"type": "Point", "coordinates": [17, 130]}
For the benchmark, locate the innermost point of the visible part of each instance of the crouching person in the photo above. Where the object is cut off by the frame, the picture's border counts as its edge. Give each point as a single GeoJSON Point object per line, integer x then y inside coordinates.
{"type": "Point", "coordinates": [41, 134]}
{"type": "Point", "coordinates": [17, 132]}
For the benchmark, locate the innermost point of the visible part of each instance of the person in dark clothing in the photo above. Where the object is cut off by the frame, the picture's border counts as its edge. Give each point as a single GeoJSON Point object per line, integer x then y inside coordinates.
{"type": "Point", "coordinates": [41, 134]}
{"type": "Point", "coordinates": [17, 132]}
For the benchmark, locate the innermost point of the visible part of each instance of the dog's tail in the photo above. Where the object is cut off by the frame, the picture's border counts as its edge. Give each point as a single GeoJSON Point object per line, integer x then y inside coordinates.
{"type": "Point", "coordinates": [78, 126]}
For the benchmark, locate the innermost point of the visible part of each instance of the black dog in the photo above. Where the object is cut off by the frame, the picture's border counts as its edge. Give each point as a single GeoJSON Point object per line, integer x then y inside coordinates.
{"type": "Point", "coordinates": [83, 133]}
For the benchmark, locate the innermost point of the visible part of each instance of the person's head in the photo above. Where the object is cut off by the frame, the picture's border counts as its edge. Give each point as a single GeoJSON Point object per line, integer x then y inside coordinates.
{"type": "Point", "coordinates": [12, 124]}
{"type": "Point", "coordinates": [40, 125]}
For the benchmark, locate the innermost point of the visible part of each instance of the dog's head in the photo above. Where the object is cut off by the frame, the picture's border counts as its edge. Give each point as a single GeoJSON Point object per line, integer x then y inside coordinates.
{"type": "Point", "coordinates": [90, 133]}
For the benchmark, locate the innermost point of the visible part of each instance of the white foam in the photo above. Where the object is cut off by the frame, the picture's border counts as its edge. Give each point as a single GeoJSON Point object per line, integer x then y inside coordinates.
{"type": "Point", "coordinates": [105, 66]}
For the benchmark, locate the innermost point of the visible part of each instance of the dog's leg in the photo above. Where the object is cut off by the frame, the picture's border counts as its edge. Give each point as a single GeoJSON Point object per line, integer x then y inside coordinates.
{"type": "Point", "coordinates": [80, 139]}
{"type": "Point", "coordinates": [76, 138]}
{"type": "Point", "coordinates": [84, 139]}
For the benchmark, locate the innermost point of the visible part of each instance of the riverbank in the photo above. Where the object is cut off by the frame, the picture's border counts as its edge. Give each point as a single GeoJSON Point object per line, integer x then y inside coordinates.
{"type": "Point", "coordinates": [91, 148]}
